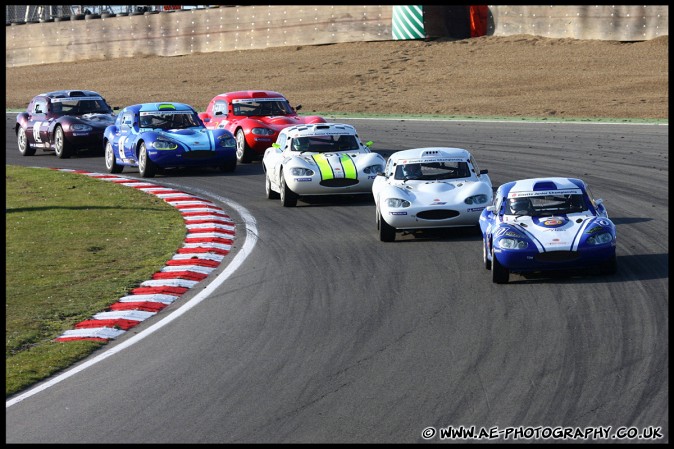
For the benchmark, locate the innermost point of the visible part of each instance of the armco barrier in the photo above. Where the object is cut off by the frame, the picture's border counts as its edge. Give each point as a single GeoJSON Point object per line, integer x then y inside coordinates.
{"type": "Point", "coordinates": [175, 33]}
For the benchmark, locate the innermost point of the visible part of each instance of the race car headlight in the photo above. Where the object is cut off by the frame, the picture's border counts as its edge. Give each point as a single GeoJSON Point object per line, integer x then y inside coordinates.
{"type": "Point", "coordinates": [262, 132]}
{"type": "Point", "coordinates": [476, 199]}
{"type": "Point", "coordinates": [512, 243]}
{"type": "Point", "coordinates": [397, 202]}
{"type": "Point", "coordinates": [600, 239]}
{"type": "Point", "coordinates": [80, 127]}
{"type": "Point", "coordinates": [299, 171]}
{"type": "Point", "coordinates": [227, 141]}
{"type": "Point", "coordinates": [373, 169]}
{"type": "Point", "coordinates": [164, 145]}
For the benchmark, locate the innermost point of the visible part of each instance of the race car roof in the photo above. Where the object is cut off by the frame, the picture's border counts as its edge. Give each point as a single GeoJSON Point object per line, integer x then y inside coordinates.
{"type": "Point", "coordinates": [540, 186]}
{"type": "Point", "coordinates": [252, 94]}
{"type": "Point", "coordinates": [71, 94]}
{"type": "Point", "coordinates": [165, 106]}
{"type": "Point", "coordinates": [319, 129]}
{"type": "Point", "coordinates": [430, 153]}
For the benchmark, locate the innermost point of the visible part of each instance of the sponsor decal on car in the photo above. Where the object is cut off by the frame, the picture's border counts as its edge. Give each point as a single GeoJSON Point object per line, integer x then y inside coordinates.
{"type": "Point", "coordinates": [545, 193]}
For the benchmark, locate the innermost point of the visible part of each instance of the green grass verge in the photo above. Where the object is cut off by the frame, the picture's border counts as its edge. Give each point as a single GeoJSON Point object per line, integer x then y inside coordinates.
{"type": "Point", "coordinates": [74, 246]}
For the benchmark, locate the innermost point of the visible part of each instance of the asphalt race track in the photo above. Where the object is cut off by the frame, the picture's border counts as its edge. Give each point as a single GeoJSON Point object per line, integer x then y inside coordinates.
{"type": "Point", "coordinates": [326, 335]}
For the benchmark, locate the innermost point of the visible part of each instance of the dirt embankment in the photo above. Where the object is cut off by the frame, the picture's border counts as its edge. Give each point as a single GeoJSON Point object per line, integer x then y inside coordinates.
{"type": "Point", "coordinates": [523, 75]}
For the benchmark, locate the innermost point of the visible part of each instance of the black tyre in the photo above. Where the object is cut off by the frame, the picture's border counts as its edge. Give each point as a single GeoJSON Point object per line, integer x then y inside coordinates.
{"type": "Point", "coordinates": [62, 147]}
{"type": "Point", "coordinates": [288, 197]}
{"type": "Point", "coordinates": [22, 140]}
{"type": "Point", "coordinates": [485, 259]}
{"type": "Point", "coordinates": [243, 152]}
{"type": "Point", "coordinates": [271, 195]}
{"type": "Point", "coordinates": [146, 167]}
{"type": "Point", "coordinates": [499, 273]}
{"type": "Point", "coordinates": [387, 233]}
{"type": "Point", "coordinates": [110, 163]}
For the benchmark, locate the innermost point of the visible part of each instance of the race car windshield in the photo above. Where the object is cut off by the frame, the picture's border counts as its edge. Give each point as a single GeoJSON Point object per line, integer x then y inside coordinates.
{"type": "Point", "coordinates": [262, 108]}
{"type": "Point", "coordinates": [432, 171]}
{"type": "Point", "coordinates": [168, 120]}
{"type": "Point", "coordinates": [326, 144]}
{"type": "Point", "coordinates": [537, 206]}
{"type": "Point", "coordinates": [78, 107]}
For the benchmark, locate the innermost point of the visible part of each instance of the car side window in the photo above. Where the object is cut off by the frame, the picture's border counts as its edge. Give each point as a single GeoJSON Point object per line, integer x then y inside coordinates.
{"type": "Point", "coordinates": [475, 167]}
{"type": "Point", "coordinates": [498, 199]}
{"type": "Point", "coordinates": [389, 168]}
{"type": "Point", "coordinates": [127, 119]}
{"type": "Point", "coordinates": [282, 138]}
{"type": "Point", "coordinates": [220, 108]}
{"type": "Point", "coordinates": [40, 107]}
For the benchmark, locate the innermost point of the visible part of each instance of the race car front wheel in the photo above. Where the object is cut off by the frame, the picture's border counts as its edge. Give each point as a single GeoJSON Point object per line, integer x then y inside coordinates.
{"type": "Point", "coordinates": [110, 163]}
{"type": "Point", "coordinates": [288, 197]}
{"type": "Point", "coordinates": [146, 167]}
{"type": "Point", "coordinates": [271, 195]}
{"type": "Point", "coordinates": [485, 259]}
{"type": "Point", "coordinates": [387, 233]}
{"type": "Point", "coordinates": [62, 148]}
{"type": "Point", "coordinates": [499, 273]}
{"type": "Point", "coordinates": [244, 154]}
{"type": "Point", "coordinates": [24, 148]}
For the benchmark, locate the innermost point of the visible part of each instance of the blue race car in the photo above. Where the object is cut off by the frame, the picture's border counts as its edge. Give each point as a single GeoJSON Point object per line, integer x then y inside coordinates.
{"type": "Point", "coordinates": [543, 224]}
{"type": "Point", "coordinates": [154, 136]}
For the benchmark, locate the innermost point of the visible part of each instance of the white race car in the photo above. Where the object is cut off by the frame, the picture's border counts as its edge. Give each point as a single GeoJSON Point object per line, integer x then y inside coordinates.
{"type": "Point", "coordinates": [426, 188]}
{"type": "Point", "coordinates": [319, 159]}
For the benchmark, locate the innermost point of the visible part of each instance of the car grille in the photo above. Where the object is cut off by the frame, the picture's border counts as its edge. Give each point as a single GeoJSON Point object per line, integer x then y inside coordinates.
{"type": "Point", "coordinates": [437, 214]}
{"type": "Point", "coordinates": [198, 154]}
{"type": "Point", "coordinates": [557, 256]}
{"type": "Point", "coordinates": [339, 182]}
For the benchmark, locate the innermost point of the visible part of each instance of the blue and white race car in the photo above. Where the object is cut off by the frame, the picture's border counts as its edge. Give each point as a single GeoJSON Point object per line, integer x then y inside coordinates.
{"type": "Point", "coordinates": [425, 188]}
{"type": "Point", "coordinates": [543, 224]}
{"type": "Point", "coordinates": [154, 136]}
{"type": "Point", "coordinates": [319, 159]}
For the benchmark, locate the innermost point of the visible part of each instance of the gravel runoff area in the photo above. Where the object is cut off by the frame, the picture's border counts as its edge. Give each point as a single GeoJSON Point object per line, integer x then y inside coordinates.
{"type": "Point", "coordinates": [513, 76]}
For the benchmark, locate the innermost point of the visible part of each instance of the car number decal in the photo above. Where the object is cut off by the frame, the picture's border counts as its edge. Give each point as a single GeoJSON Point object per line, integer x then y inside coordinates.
{"type": "Point", "coordinates": [36, 132]}
{"type": "Point", "coordinates": [120, 147]}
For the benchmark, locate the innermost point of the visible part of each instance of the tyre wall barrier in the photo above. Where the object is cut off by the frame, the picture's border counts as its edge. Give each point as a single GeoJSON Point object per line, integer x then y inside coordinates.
{"type": "Point", "coordinates": [176, 33]}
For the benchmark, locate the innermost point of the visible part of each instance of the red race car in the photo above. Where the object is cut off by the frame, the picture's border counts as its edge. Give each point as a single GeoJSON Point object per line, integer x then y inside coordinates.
{"type": "Point", "coordinates": [64, 121]}
{"type": "Point", "coordinates": [255, 118]}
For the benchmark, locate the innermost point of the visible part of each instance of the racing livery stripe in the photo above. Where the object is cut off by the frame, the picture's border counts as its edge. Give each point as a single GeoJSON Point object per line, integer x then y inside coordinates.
{"type": "Point", "coordinates": [539, 245]}
{"type": "Point", "coordinates": [576, 239]}
{"type": "Point", "coordinates": [349, 167]}
{"type": "Point", "coordinates": [323, 166]}
{"type": "Point", "coordinates": [191, 263]}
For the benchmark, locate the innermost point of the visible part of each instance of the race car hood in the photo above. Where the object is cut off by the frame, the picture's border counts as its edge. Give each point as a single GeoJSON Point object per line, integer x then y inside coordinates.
{"type": "Point", "coordinates": [334, 165]}
{"type": "Point", "coordinates": [445, 191]}
{"type": "Point", "coordinates": [558, 232]}
{"type": "Point", "coordinates": [97, 120]}
{"type": "Point", "coordinates": [279, 122]}
{"type": "Point", "coordinates": [194, 139]}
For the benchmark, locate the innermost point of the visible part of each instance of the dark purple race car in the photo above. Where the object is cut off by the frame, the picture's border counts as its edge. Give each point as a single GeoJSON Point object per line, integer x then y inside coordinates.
{"type": "Point", "coordinates": [64, 121]}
